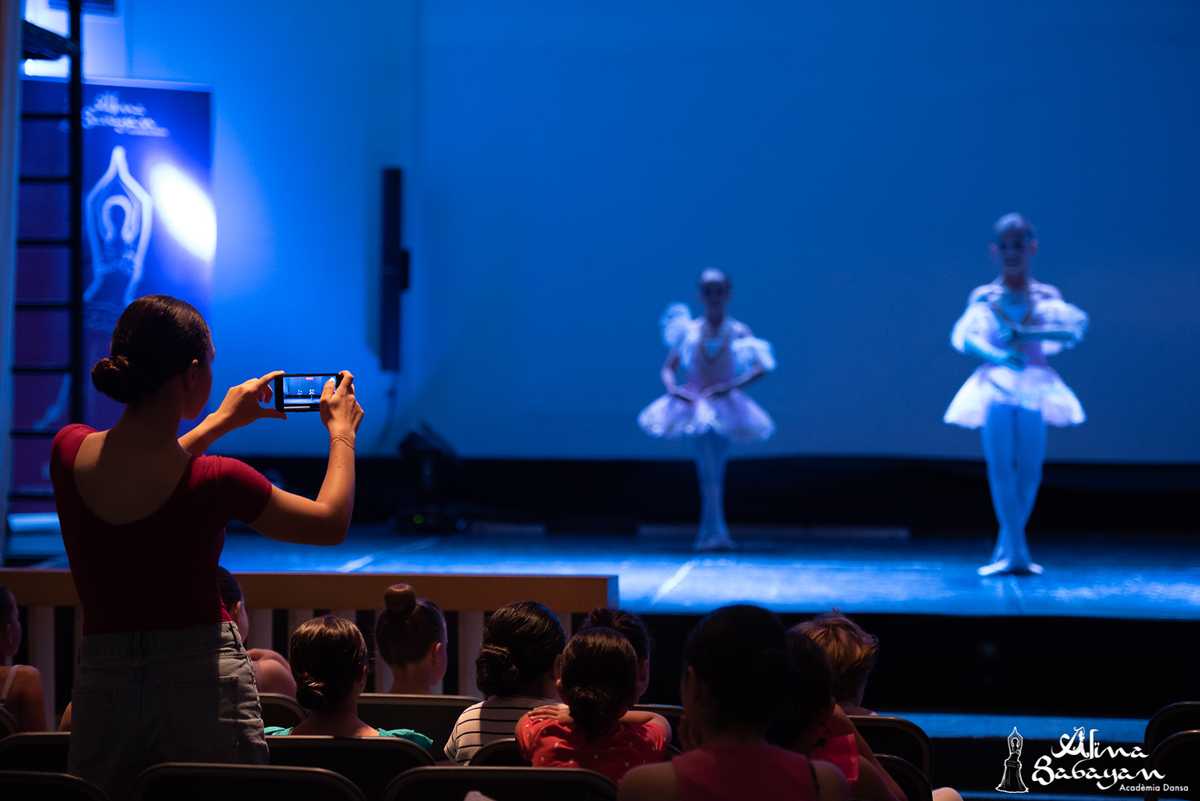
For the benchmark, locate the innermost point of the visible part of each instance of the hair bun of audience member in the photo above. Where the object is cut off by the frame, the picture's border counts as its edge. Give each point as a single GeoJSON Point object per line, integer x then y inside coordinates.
{"type": "Point", "coordinates": [495, 668]}
{"type": "Point", "coordinates": [400, 599]}
{"type": "Point", "coordinates": [311, 692]}
{"type": "Point", "coordinates": [121, 380]}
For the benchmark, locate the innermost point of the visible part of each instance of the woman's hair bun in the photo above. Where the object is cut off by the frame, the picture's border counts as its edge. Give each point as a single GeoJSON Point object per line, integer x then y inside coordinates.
{"type": "Point", "coordinates": [119, 379]}
{"type": "Point", "coordinates": [400, 599]}
{"type": "Point", "coordinates": [496, 670]}
{"type": "Point", "coordinates": [311, 692]}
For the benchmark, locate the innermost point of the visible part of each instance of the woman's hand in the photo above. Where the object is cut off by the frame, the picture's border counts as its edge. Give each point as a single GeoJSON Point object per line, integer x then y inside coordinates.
{"type": "Point", "coordinates": [716, 391]}
{"type": "Point", "coordinates": [340, 411]}
{"type": "Point", "coordinates": [243, 403]}
{"type": "Point", "coordinates": [1012, 359]}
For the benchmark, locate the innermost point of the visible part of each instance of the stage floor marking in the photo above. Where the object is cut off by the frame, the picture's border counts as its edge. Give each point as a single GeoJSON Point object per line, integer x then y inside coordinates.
{"type": "Point", "coordinates": [355, 564]}
{"type": "Point", "coordinates": [674, 581]}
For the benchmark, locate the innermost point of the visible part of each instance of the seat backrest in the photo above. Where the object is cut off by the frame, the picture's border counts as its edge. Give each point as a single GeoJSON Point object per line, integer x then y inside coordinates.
{"type": "Point", "coordinates": [8, 724]}
{"type": "Point", "coordinates": [501, 784]}
{"type": "Point", "coordinates": [369, 762]}
{"type": "Point", "coordinates": [673, 714]}
{"type": "Point", "coordinates": [17, 784]}
{"type": "Point", "coordinates": [898, 737]}
{"type": "Point", "coordinates": [1180, 716]}
{"type": "Point", "coordinates": [43, 751]}
{"type": "Point", "coordinates": [204, 781]}
{"type": "Point", "coordinates": [432, 715]}
{"type": "Point", "coordinates": [500, 753]}
{"type": "Point", "coordinates": [280, 710]}
{"type": "Point", "coordinates": [911, 779]}
{"type": "Point", "coordinates": [1177, 758]}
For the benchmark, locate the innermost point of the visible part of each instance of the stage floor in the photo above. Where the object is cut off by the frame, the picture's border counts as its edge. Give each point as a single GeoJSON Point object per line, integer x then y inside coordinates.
{"type": "Point", "coordinates": [859, 572]}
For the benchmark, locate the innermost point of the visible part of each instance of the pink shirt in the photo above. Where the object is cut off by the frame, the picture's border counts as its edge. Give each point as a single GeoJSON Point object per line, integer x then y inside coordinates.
{"type": "Point", "coordinates": [159, 572]}
{"type": "Point", "coordinates": [549, 743]}
{"type": "Point", "coordinates": [734, 773]}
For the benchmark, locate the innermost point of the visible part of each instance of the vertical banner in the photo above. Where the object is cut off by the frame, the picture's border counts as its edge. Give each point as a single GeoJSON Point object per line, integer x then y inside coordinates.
{"type": "Point", "coordinates": [149, 220]}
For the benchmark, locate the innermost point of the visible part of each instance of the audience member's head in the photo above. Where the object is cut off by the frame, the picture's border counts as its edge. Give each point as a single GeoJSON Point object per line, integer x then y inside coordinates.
{"type": "Point", "coordinates": [851, 652]}
{"type": "Point", "coordinates": [232, 600]}
{"type": "Point", "coordinates": [160, 345]}
{"type": "Point", "coordinates": [736, 671]}
{"type": "Point", "coordinates": [521, 642]}
{"type": "Point", "coordinates": [329, 661]}
{"type": "Point", "coordinates": [799, 724]}
{"type": "Point", "coordinates": [598, 679]}
{"type": "Point", "coordinates": [10, 624]}
{"type": "Point", "coordinates": [410, 634]}
{"type": "Point", "coordinates": [634, 630]}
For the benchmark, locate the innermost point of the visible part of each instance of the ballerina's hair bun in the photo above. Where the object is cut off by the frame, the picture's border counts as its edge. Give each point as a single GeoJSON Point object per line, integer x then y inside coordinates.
{"type": "Point", "coordinates": [400, 600]}
{"type": "Point", "coordinates": [521, 641]}
{"type": "Point", "coordinates": [120, 379]}
{"type": "Point", "coordinates": [156, 338]}
{"type": "Point", "coordinates": [328, 656]}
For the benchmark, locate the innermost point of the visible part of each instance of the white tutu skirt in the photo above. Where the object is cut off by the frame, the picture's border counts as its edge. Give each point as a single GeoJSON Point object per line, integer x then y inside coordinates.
{"type": "Point", "coordinates": [732, 415]}
{"type": "Point", "coordinates": [1037, 387]}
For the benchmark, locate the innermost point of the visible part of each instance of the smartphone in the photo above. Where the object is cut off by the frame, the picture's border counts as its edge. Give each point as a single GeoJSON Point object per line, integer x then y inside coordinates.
{"type": "Point", "coordinates": [301, 392]}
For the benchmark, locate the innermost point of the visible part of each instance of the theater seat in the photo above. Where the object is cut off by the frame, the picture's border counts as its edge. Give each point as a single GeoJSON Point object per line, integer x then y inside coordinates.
{"type": "Point", "coordinates": [898, 737]}
{"type": "Point", "coordinates": [501, 784]}
{"type": "Point", "coordinates": [44, 751]}
{"type": "Point", "coordinates": [280, 710]}
{"type": "Point", "coordinates": [369, 762]}
{"type": "Point", "coordinates": [432, 715]}
{"type": "Point", "coordinates": [1180, 716]}
{"type": "Point", "coordinates": [912, 781]}
{"type": "Point", "coordinates": [16, 784]}
{"type": "Point", "coordinates": [500, 753]}
{"type": "Point", "coordinates": [206, 781]}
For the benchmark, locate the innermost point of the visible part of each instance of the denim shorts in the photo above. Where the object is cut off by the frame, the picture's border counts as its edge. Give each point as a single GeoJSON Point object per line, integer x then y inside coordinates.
{"type": "Point", "coordinates": [183, 695]}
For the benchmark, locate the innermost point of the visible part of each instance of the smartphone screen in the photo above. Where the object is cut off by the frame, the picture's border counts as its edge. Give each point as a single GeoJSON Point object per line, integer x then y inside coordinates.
{"type": "Point", "coordinates": [301, 392]}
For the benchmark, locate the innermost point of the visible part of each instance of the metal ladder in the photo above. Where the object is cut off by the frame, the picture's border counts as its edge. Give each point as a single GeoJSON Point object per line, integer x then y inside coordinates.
{"type": "Point", "coordinates": [39, 43]}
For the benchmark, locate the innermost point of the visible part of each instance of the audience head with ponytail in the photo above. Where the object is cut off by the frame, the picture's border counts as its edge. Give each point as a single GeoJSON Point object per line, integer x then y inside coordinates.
{"type": "Point", "coordinates": [736, 669]}
{"type": "Point", "coordinates": [329, 662]}
{"type": "Point", "coordinates": [521, 642]}
{"type": "Point", "coordinates": [410, 634]}
{"type": "Point", "coordinates": [598, 680]}
{"type": "Point", "coordinates": [634, 629]}
{"type": "Point", "coordinates": [157, 338]}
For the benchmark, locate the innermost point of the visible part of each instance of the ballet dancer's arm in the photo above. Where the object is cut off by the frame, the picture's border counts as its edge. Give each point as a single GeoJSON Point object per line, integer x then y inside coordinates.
{"type": "Point", "coordinates": [753, 374]}
{"type": "Point", "coordinates": [242, 406]}
{"type": "Point", "coordinates": [1046, 332]}
{"type": "Point", "coordinates": [982, 349]}
{"type": "Point", "coordinates": [669, 369]}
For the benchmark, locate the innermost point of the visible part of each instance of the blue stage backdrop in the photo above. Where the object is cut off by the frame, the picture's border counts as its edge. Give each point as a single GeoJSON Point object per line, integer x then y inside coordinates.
{"type": "Point", "coordinates": [149, 227]}
{"type": "Point", "coordinates": [844, 162]}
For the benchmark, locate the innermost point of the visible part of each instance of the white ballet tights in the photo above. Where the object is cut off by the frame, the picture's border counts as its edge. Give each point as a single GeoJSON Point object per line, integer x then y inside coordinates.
{"type": "Point", "coordinates": [1014, 443]}
{"type": "Point", "coordinates": [712, 451]}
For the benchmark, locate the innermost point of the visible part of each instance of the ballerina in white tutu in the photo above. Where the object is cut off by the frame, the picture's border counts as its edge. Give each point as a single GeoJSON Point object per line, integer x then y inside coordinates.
{"type": "Point", "coordinates": [1013, 324]}
{"type": "Point", "coordinates": [717, 356]}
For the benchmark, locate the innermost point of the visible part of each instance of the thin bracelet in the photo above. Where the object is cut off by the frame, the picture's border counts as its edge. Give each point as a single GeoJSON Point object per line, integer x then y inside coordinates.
{"type": "Point", "coordinates": [342, 438]}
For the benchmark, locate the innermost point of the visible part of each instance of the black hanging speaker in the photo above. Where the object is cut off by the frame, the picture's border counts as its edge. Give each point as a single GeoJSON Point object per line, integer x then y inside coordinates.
{"type": "Point", "coordinates": [394, 273]}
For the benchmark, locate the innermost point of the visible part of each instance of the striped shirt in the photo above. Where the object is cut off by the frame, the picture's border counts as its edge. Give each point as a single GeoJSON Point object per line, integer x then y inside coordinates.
{"type": "Point", "coordinates": [487, 721]}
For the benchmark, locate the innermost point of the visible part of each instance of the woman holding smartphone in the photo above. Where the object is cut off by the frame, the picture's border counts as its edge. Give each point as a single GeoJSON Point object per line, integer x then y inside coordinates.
{"type": "Point", "coordinates": [163, 674]}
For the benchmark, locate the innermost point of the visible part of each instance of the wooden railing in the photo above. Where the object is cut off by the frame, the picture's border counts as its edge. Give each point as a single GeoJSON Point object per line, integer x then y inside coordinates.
{"type": "Point", "coordinates": [469, 596]}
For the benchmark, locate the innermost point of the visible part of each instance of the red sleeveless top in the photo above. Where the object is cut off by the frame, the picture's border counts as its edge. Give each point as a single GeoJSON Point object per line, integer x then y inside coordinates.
{"type": "Point", "coordinates": [734, 773]}
{"type": "Point", "coordinates": [159, 572]}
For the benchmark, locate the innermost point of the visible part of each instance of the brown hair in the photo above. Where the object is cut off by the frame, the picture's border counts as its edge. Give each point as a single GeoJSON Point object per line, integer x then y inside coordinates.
{"type": "Point", "coordinates": [520, 643]}
{"type": "Point", "coordinates": [408, 626]}
{"type": "Point", "coordinates": [851, 651]}
{"type": "Point", "coordinates": [328, 655]}
{"type": "Point", "coordinates": [599, 679]}
{"type": "Point", "coordinates": [629, 624]}
{"type": "Point", "coordinates": [157, 337]}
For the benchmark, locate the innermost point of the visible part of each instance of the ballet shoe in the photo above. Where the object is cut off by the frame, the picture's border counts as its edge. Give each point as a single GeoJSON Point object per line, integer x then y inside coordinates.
{"type": "Point", "coordinates": [1007, 567]}
{"type": "Point", "coordinates": [715, 539]}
